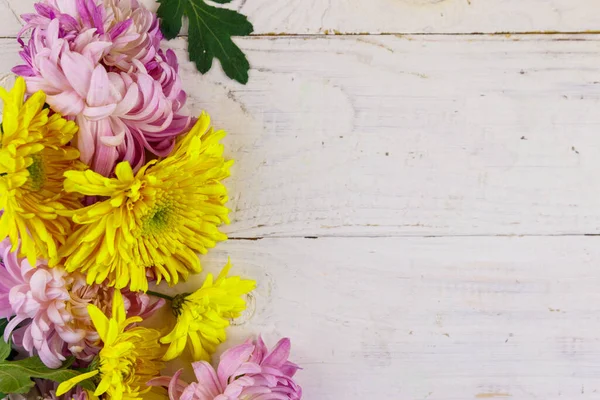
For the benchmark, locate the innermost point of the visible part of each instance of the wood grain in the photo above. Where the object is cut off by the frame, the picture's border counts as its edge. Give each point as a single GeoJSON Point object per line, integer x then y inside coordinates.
{"type": "Point", "coordinates": [394, 136]}
{"type": "Point", "coordinates": [428, 318]}
{"type": "Point", "coordinates": [387, 136]}
{"type": "Point", "coordinates": [390, 16]}
{"type": "Point", "coordinates": [420, 16]}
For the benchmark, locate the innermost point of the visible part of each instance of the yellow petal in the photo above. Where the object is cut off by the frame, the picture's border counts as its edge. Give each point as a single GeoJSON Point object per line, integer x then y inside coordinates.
{"type": "Point", "coordinates": [65, 386]}
{"type": "Point", "coordinates": [118, 306]}
{"type": "Point", "coordinates": [124, 172]}
{"type": "Point", "coordinates": [102, 386]}
{"type": "Point", "coordinates": [224, 271]}
{"type": "Point", "coordinates": [175, 349]}
{"type": "Point", "coordinates": [100, 321]}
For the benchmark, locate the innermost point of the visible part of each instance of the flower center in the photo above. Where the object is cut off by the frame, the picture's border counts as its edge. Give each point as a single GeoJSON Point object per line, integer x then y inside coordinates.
{"type": "Point", "coordinates": [36, 173]}
{"type": "Point", "coordinates": [178, 302]}
{"type": "Point", "coordinates": [159, 218]}
{"type": "Point", "coordinates": [122, 368]}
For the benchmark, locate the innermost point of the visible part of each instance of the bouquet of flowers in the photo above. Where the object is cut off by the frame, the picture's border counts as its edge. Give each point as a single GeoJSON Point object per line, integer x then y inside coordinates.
{"type": "Point", "coordinates": [107, 189]}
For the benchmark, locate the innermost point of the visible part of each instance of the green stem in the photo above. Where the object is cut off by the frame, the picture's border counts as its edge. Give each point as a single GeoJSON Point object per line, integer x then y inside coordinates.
{"type": "Point", "coordinates": [162, 296]}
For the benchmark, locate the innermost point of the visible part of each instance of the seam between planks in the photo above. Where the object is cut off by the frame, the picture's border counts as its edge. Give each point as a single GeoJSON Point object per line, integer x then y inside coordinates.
{"type": "Point", "coordinates": [499, 33]}
{"type": "Point", "coordinates": [250, 238]}
{"type": "Point", "coordinates": [401, 34]}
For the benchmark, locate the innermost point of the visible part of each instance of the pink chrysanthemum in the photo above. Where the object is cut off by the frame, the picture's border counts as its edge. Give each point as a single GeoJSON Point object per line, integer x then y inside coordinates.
{"type": "Point", "coordinates": [246, 372]}
{"type": "Point", "coordinates": [101, 64]}
{"type": "Point", "coordinates": [47, 308]}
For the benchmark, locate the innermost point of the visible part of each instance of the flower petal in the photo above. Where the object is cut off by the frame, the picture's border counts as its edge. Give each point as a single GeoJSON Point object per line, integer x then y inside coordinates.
{"type": "Point", "coordinates": [65, 386]}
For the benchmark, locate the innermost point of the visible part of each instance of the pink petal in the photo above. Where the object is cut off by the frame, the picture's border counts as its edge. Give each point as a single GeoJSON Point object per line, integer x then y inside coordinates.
{"type": "Point", "coordinates": [260, 351]}
{"type": "Point", "coordinates": [85, 138]}
{"type": "Point", "coordinates": [11, 326]}
{"type": "Point", "coordinates": [52, 74]}
{"type": "Point", "coordinates": [113, 141]}
{"type": "Point", "coordinates": [175, 386]}
{"type": "Point", "coordinates": [279, 354]}
{"type": "Point", "coordinates": [78, 71]}
{"type": "Point", "coordinates": [289, 369]}
{"type": "Point", "coordinates": [36, 83]}
{"type": "Point", "coordinates": [66, 103]}
{"type": "Point", "coordinates": [54, 315]}
{"type": "Point", "coordinates": [99, 90]}
{"type": "Point", "coordinates": [231, 360]}
{"type": "Point", "coordinates": [129, 101]}
{"type": "Point", "coordinates": [207, 377]}
{"type": "Point", "coordinates": [71, 336]}
{"type": "Point", "coordinates": [100, 112]}
{"type": "Point", "coordinates": [38, 283]}
{"type": "Point", "coordinates": [106, 156]}
{"type": "Point", "coordinates": [52, 33]}
{"type": "Point", "coordinates": [51, 357]}
{"type": "Point", "coordinates": [22, 337]}
{"type": "Point", "coordinates": [95, 50]}
{"type": "Point", "coordinates": [6, 310]}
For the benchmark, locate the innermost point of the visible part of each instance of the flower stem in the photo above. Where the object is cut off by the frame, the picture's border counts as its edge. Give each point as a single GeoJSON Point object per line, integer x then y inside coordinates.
{"type": "Point", "coordinates": [162, 296]}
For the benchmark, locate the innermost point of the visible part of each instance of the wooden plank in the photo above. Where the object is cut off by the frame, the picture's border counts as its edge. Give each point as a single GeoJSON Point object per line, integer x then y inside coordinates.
{"type": "Point", "coordinates": [428, 318]}
{"type": "Point", "coordinates": [408, 135]}
{"type": "Point", "coordinates": [420, 16]}
{"type": "Point", "coordinates": [395, 16]}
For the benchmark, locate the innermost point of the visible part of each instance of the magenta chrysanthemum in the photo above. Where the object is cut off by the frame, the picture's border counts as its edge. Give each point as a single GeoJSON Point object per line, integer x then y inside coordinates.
{"type": "Point", "coordinates": [101, 64]}
{"type": "Point", "coordinates": [248, 371]}
{"type": "Point", "coordinates": [47, 308]}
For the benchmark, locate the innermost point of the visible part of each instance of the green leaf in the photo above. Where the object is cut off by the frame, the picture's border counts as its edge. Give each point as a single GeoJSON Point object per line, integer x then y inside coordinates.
{"type": "Point", "coordinates": [170, 13]}
{"type": "Point", "coordinates": [210, 32]}
{"type": "Point", "coordinates": [5, 347]}
{"type": "Point", "coordinates": [15, 376]}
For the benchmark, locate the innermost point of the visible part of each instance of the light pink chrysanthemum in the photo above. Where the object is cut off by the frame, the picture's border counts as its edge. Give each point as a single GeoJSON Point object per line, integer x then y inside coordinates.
{"type": "Point", "coordinates": [47, 308]}
{"type": "Point", "coordinates": [101, 64]}
{"type": "Point", "coordinates": [246, 372]}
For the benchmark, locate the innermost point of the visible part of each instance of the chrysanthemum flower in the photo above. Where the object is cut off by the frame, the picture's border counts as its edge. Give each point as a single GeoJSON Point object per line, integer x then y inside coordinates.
{"type": "Point", "coordinates": [129, 357]}
{"type": "Point", "coordinates": [202, 316]}
{"type": "Point", "coordinates": [47, 308]}
{"type": "Point", "coordinates": [154, 221]}
{"type": "Point", "coordinates": [101, 63]}
{"type": "Point", "coordinates": [33, 156]}
{"type": "Point", "coordinates": [137, 304]}
{"type": "Point", "coordinates": [132, 30]}
{"type": "Point", "coordinates": [246, 372]}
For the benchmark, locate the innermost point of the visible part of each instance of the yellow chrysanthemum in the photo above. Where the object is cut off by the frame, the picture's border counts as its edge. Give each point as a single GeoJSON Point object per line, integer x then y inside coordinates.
{"type": "Point", "coordinates": [128, 359]}
{"type": "Point", "coordinates": [203, 315]}
{"type": "Point", "coordinates": [157, 219]}
{"type": "Point", "coordinates": [33, 157]}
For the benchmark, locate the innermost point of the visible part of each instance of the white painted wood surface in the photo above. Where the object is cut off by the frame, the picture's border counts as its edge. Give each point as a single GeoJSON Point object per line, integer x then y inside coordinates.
{"type": "Point", "coordinates": [371, 144]}
{"type": "Point", "coordinates": [430, 318]}
{"type": "Point", "coordinates": [391, 16]}
{"type": "Point", "coordinates": [420, 16]}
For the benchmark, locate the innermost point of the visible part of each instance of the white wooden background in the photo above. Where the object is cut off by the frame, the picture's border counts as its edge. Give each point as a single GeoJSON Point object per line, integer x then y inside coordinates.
{"type": "Point", "coordinates": [416, 190]}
